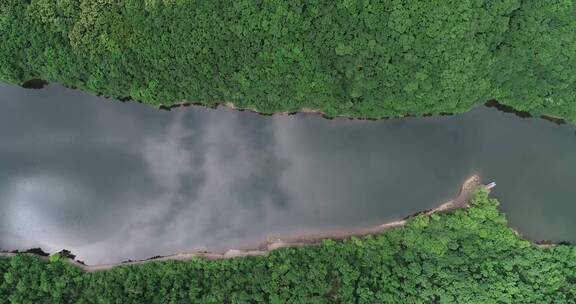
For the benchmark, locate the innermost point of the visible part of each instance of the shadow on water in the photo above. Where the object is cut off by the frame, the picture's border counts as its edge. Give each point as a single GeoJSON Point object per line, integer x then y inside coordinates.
{"type": "Point", "coordinates": [35, 84]}
{"type": "Point", "coordinates": [522, 114]}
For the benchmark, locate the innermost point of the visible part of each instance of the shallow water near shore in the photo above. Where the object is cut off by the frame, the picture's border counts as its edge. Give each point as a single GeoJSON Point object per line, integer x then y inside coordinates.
{"type": "Point", "coordinates": [112, 181]}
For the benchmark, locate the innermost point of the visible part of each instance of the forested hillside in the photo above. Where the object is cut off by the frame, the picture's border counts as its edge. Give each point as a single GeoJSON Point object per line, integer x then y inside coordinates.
{"type": "Point", "coordinates": [365, 59]}
{"type": "Point", "coordinates": [466, 256]}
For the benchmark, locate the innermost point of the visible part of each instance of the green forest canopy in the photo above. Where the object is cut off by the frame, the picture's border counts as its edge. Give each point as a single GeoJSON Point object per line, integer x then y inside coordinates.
{"type": "Point", "coordinates": [465, 256]}
{"type": "Point", "coordinates": [364, 59]}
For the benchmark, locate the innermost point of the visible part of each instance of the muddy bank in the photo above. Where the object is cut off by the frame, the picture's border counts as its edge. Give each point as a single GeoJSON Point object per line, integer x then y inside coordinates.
{"type": "Point", "coordinates": [272, 243]}
{"type": "Point", "coordinates": [490, 104]}
{"type": "Point", "coordinates": [231, 105]}
{"type": "Point", "coordinates": [37, 83]}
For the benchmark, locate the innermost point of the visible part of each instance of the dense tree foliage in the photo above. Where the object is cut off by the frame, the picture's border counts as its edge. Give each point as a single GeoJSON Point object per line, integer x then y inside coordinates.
{"type": "Point", "coordinates": [465, 256]}
{"type": "Point", "coordinates": [536, 64]}
{"type": "Point", "coordinates": [363, 58]}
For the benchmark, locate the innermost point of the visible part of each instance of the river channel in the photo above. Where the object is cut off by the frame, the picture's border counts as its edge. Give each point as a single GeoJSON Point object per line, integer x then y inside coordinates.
{"type": "Point", "coordinates": [113, 181]}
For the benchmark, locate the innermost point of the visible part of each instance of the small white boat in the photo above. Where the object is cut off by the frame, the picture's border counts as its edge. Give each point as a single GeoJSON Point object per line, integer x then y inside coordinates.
{"type": "Point", "coordinates": [491, 185]}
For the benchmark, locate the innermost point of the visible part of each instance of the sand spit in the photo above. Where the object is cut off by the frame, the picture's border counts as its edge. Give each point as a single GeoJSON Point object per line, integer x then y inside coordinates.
{"type": "Point", "coordinates": [460, 201]}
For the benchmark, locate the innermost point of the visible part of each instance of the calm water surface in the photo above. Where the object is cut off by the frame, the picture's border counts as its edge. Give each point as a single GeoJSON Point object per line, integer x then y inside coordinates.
{"type": "Point", "coordinates": [113, 181]}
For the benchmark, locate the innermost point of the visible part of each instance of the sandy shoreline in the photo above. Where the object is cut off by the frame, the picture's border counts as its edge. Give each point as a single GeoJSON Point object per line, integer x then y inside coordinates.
{"type": "Point", "coordinates": [231, 105]}
{"type": "Point", "coordinates": [273, 243]}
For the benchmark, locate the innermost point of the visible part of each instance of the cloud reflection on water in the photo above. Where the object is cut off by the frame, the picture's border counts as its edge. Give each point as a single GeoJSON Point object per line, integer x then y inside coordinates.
{"type": "Point", "coordinates": [112, 181]}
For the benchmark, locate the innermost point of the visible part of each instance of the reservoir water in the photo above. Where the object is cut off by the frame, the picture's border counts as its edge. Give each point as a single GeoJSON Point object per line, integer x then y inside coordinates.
{"type": "Point", "coordinates": [113, 181]}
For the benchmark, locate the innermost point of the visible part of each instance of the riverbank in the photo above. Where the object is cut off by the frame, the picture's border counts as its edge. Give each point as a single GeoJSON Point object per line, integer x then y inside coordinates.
{"type": "Point", "coordinates": [490, 104]}
{"type": "Point", "coordinates": [464, 255]}
{"type": "Point", "coordinates": [36, 83]}
{"type": "Point", "coordinates": [316, 66]}
{"type": "Point", "coordinates": [274, 243]}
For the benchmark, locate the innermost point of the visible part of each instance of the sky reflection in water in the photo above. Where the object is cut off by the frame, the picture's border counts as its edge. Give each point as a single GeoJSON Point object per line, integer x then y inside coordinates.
{"type": "Point", "coordinates": [114, 181]}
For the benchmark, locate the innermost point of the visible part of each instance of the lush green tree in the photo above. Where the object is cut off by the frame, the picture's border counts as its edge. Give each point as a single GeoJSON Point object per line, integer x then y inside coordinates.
{"type": "Point", "coordinates": [536, 64]}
